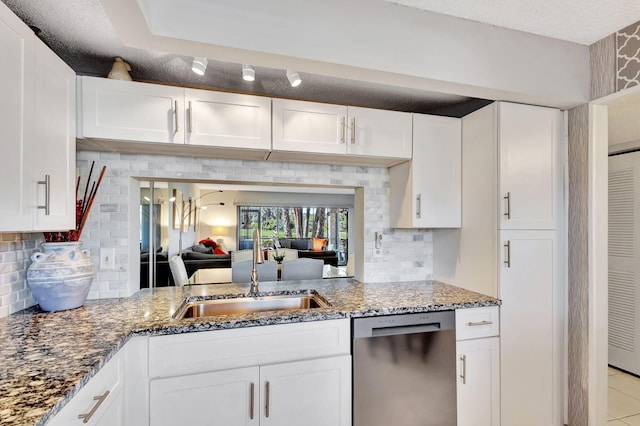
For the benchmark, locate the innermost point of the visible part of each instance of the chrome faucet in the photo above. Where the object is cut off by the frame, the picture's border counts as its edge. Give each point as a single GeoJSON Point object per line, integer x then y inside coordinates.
{"type": "Point", "coordinates": [258, 258]}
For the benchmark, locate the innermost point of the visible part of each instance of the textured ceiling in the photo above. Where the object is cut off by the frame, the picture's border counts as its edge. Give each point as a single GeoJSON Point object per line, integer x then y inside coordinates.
{"type": "Point", "coordinates": [82, 35]}
{"type": "Point", "coordinates": [579, 21]}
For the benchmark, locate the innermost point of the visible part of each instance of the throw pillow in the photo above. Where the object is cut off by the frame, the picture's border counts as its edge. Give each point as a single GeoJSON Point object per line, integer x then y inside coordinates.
{"type": "Point", "coordinates": [218, 250]}
{"type": "Point", "coordinates": [319, 244]}
{"type": "Point", "coordinates": [208, 242]}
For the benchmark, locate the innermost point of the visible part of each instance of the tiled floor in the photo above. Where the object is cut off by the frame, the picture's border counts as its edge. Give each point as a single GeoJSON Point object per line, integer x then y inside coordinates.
{"type": "Point", "coordinates": [624, 399]}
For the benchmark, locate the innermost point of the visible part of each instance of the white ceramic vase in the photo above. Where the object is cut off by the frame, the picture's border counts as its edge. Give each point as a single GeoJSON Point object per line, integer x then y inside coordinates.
{"type": "Point", "coordinates": [60, 276]}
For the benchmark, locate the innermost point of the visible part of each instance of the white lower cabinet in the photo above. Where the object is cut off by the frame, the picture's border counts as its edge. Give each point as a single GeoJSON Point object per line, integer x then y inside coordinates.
{"type": "Point", "coordinates": [313, 392]}
{"type": "Point", "coordinates": [531, 330]}
{"type": "Point", "coordinates": [228, 397]}
{"type": "Point", "coordinates": [309, 392]}
{"type": "Point", "coordinates": [289, 374]}
{"type": "Point", "coordinates": [100, 402]}
{"type": "Point", "coordinates": [478, 368]}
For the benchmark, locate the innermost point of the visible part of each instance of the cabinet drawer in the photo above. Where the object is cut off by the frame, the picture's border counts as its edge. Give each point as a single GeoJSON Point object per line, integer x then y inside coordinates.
{"type": "Point", "coordinates": [223, 349]}
{"type": "Point", "coordinates": [94, 396]}
{"type": "Point", "coordinates": [474, 323]}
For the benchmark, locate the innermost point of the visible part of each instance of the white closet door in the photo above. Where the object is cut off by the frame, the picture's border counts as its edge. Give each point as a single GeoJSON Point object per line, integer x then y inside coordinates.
{"type": "Point", "coordinates": [624, 268]}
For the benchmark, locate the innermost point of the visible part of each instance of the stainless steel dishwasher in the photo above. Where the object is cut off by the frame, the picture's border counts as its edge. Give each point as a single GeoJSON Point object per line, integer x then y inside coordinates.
{"type": "Point", "coordinates": [404, 370]}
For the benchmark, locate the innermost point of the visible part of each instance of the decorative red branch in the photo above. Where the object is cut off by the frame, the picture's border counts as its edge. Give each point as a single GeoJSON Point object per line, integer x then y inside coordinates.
{"type": "Point", "coordinates": [83, 206]}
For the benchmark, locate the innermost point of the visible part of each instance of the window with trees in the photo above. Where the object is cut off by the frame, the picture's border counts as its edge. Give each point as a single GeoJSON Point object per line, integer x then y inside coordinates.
{"type": "Point", "coordinates": [295, 222]}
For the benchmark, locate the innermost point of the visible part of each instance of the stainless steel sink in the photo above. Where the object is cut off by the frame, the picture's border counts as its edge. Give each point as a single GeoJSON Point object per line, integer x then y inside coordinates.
{"type": "Point", "coordinates": [247, 305]}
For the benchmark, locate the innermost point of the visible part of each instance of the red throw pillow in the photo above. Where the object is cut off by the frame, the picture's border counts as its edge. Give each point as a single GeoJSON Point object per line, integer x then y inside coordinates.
{"type": "Point", "coordinates": [218, 250]}
{"type": "Point", "coordinates": [208, 242]}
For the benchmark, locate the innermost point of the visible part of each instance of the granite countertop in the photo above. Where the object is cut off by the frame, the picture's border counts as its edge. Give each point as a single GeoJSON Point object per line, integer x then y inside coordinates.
{"type": "Point", "coordinates": [47, 357]}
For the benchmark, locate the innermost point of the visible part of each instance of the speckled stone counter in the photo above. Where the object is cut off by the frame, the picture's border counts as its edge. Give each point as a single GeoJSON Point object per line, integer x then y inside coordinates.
{"type": "Point", "coordinates": [47, 357]}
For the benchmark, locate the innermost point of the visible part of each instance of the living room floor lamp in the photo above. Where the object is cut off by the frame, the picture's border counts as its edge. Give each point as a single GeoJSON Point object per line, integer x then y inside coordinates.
{"type": "Point", "coordinates": [189, 212]}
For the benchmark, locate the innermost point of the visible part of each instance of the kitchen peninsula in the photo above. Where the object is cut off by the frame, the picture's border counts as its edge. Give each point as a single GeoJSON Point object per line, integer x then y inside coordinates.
{"type": "Point", "coordinates": [49, 357]}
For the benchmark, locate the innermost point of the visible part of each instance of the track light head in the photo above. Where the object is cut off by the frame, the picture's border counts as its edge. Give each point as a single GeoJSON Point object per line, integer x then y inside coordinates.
{"type": "Point", "coordinates": [248, 72]}
{"type": "Point", "coordinates": [199, 65]}
{"type": "Point", "coordinates": [294, 78]}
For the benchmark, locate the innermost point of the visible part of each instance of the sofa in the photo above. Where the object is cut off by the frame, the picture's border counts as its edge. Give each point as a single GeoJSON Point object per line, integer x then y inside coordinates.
{"type": "Point", "coordinates": [193, 260]}
{"type": "Point", "coordinates": [305, 247]}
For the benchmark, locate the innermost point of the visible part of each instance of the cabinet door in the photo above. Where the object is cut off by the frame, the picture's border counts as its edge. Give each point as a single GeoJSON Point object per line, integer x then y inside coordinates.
{"type": "Point", "coordinates": [311, 393]}
{"type": "Point", "coordinates": [309, 127]}
{"type": "Point", "coordinates": [379, 133]}
{"type": "Point", "coordinates": [16, 76]}
{"type": "Point", "coordinates": [228, 119]}
{"type": "Point", "coordinates": [531, 318]}
{"type": "Point", "coordinates": [530, 163]}
{"type": "Point", "coordinates": [478, 387]}
{"type": "Point", "coordinates": [224, 398]}
{"type": "Point", "coordinates": [52, 152]}
{"type": "Point", "coordinates": [426, 192]}
{"type": "Point", "coordinates": [131, 111]}
{"type": "Point", "coordinates": [100, 400]}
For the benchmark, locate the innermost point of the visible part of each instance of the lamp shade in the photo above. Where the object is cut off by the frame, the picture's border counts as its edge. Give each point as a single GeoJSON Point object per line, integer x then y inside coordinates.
{"type": "Point", "coordinates": [220, 230]}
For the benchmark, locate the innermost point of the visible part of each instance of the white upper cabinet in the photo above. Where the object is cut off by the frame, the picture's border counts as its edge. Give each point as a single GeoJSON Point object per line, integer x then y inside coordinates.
{"type": "Point", "coordinates": [227, 119]}
{"type": "Point", "coordinates": [16, 76]}
{"type": "Point", "coordinates": [37, 153]}
{"type": "Point", "coordinates": [426, 192]}
{"type": "Point", "coordinates": [379, 133]}
{"type": "Point", "coordinates": [130, 111]}
{"type": "Point", "coordinates": [309, 127]}
{"type": "Point", "coordinates": [530, 161]}
{"type": "Point", "coordinates": [53, 153]}
{"type": "Point", "coordinates": [300, 126]}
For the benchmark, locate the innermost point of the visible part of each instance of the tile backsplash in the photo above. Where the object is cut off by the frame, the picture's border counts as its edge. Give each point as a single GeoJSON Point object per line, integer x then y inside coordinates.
{"type": "Point", "coordinates": [15, 257]}
{"type": "Point", "coordinates": [408, 254]}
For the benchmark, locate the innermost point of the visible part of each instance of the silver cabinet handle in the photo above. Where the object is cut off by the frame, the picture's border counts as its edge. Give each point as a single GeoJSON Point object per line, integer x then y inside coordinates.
{"type": "Point", "coordinates": [100, 398]}
{"type": "Point", "coordinates": [477, 323]}
{"type": "Point", "coordinates": [507, 261]}
{"type": "Point", "coordinates": [353, 130]}
{"type": "Point", "coordinates": [266, 397]}
{"type": "Point", "coordinates": [463, 376]}
{"type": "Point", "coordinates": [507, 212]}
{"type": "Point", "coordinates": [175, 116]}
{"type": "Point", "coordinates": [251, 400]}
{"type": "Point", "coordinates": [47, 194]}
{"type": "Point", "coordinates": [343, 127]}
{"type": "Point", "coordinates": [418, 206]}
{"type": "Point", "coordinates": [190, 114]}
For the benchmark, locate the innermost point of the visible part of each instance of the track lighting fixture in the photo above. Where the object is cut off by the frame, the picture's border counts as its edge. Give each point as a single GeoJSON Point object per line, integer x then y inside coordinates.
{"type": "Point", "coordinates": [248, 72]}
{"type": "Point", "coordinates": [294, 78]}
{"type": "Point", "coordinates": [199, 65]}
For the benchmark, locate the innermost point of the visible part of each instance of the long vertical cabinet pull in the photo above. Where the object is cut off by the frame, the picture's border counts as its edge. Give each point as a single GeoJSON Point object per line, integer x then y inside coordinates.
{"type": "Point", "coordinates": [343, 129]}
{"type": "Point", "coordinates": [190, 115]}
{"type": "Point", "coordinates": [353, 130]}
{"type": "Point", "coordinates": [251, 400]}
{"type": "Point", "coordinates": [175, 116]}
{"type": "Point", "coordinates": [47, 194]}
{"type": "Point", "coordinates": [507, 212]}
{"type": "Point", "coordinates": [463, 375]}
{"type": "Point", "coordinates": [418, 206]}
{"type": "Point", "coordinates": [507, 261]}
{"type": "Point", "coordinates": [266, 398]}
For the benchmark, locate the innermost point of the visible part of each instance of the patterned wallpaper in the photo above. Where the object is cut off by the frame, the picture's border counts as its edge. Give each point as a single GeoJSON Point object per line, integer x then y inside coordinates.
{"type": "Point", "coordinates": [628, 56]}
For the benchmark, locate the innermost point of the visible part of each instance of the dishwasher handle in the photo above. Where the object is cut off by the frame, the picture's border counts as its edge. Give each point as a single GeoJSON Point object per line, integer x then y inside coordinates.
{"type": "Point", "coordinates": [407, 329]}
{"type": "Point", "coordinates": [391, 325]}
